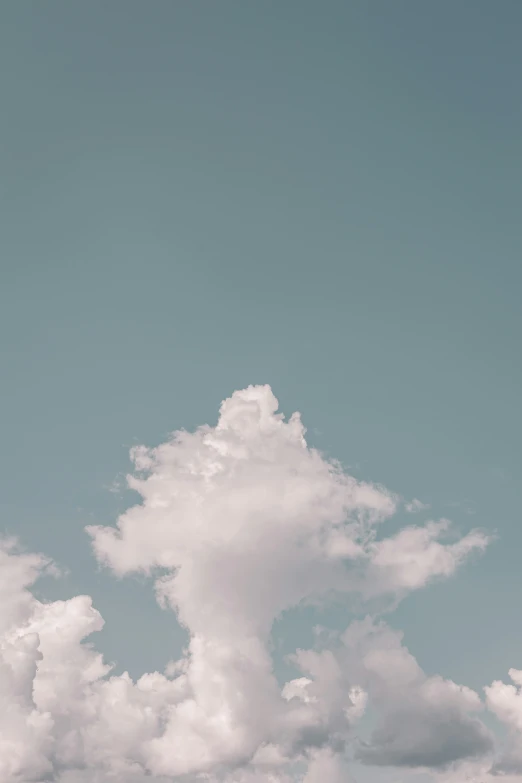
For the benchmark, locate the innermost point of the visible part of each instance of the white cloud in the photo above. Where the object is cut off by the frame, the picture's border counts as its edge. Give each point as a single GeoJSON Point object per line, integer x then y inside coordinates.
{"type": "Point", "coordinates": [422, 721]}
{"type": "Point", "coordinates": [505, 701]}
{"type": "Point", "coordinates": [60, 710]}
{"type": "Point", "coordinates": [237, 523]}
{"type": "Point", "coordinates": [327, 767]}
{"type": "Point", "coordinates": [415, 555]}
{"type": "Point", "coordinates": [415, 505]}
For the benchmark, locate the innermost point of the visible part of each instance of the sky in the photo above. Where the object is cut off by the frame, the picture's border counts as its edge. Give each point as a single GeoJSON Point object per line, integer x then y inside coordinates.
{"type": "Point", "coordinates": [214, 214]}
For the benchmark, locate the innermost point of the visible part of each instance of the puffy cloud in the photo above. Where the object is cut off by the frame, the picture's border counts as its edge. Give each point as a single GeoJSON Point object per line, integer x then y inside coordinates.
{"type": "Point", "coordinates": [25, 732]}
{"type": "Point", "coordinates": [236, 523]}
{"type": "Point", "coordinates": [415, 505]}
{"type": "Point", "coordinates": [325, 765]}
{"type": "Point", "coordinates": [408, 560]}
{"type": "Point", "coordinates": [245, 519]}
{"type": "Point", "coordinates": [60, 710]}
{"type": "Point", "coordinates": [505, 701]}
{"type": "Point", "coordinates": [422, 721]}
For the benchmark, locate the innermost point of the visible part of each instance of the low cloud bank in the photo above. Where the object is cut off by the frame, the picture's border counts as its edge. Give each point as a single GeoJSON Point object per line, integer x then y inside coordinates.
{"type": "Point", "coordinates": [237, 523]}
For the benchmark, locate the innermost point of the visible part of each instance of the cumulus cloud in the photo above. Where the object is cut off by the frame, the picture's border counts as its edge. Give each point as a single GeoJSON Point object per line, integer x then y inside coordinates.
{"type": "Point", "coordinates": [326, 765]}
{"type": "Point", "coordinates": [415, 555]}
{"type": "Point", "coordinates": [236, 523]}
{"type": "Point", "coordinates": [505, 701]}
{"type": "Point", "coordinates": [60, 709]}
{"type": "Point", "coordinates": [415, 505]}
{"type": "Point", "coordinates": [422, 721]}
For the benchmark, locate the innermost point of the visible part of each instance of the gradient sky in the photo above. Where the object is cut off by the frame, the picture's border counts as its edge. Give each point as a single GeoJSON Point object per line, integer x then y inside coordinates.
{"type": "Point", "coordinates": [324, 197]}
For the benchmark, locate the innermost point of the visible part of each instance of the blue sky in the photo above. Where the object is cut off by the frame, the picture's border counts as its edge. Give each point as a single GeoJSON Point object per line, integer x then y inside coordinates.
{"type": "Point", "coordinates": [323, 197]}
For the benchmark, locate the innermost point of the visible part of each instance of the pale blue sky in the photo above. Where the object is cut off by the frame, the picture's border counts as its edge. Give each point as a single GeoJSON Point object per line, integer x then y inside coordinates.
{"type": "Point", "coordinates": [321, 196]}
